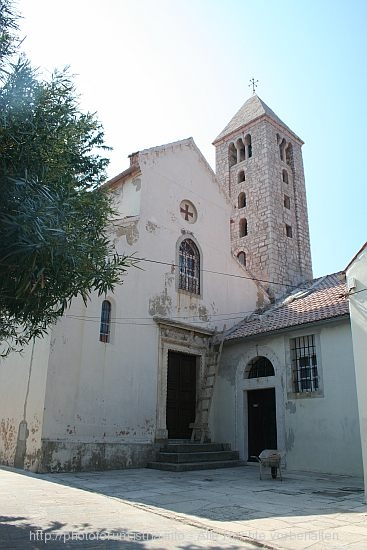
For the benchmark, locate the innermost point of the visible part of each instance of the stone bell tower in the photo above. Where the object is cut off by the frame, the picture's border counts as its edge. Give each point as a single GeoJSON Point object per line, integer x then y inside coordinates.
{"type": "Point", "coordinates": [259, 164]}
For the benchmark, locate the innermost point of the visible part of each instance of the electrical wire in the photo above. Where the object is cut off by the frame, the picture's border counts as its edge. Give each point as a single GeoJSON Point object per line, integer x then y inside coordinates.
{"type": "Point", "coordinates": [172, 264]}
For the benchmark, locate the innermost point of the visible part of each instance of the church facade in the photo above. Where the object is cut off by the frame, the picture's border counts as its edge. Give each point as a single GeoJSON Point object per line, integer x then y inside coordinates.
{"type": "Point", "coordinates": [115, 379]}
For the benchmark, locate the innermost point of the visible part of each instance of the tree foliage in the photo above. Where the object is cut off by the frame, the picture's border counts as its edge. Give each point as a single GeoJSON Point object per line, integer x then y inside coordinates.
{"type": "Point", "coordinates": [53, 213]}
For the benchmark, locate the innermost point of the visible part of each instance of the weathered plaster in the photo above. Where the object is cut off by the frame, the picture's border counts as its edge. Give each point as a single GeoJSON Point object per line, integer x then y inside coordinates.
{"type": "Point", "coordinates": [137, 183]}
{"type": "Point", "coordinates": [161, 304]}
{"type": "Point", "coordinates": [63, 456]}
{"type": "Point", "coordinates": [151, 226]}
{"type": "Point", "coordinates": [130, 231]}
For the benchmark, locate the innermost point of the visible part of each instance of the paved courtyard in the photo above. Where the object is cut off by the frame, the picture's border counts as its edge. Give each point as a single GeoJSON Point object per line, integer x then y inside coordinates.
{"type": "Point", "coordinates": [148, 509]}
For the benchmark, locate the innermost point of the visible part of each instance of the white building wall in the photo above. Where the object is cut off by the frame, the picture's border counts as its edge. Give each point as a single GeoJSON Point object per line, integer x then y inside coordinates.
{"type": "Point", "coordinates": [22, 383]}
{"type": "Point", "coordinates": [315, 433]}
{"type": "Point", "coordinates": [357, 282]}
{"type": "Point", "coordinates": [101, 404]}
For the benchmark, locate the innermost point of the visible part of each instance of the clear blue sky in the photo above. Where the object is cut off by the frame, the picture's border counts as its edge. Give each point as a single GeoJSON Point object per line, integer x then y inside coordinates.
{"type": "Point", "coordinates": [161, 70]}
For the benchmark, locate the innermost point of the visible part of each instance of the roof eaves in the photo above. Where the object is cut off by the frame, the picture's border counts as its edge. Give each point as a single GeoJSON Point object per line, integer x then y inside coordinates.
{"type": "Point", "coordinates": [355, 256]}
{"type": "Point", "coordinates": [281, 127]}
{"type": "Point", "coordinates": [132, 170]}
{"type": "Point", "coordinates": [293, 327]}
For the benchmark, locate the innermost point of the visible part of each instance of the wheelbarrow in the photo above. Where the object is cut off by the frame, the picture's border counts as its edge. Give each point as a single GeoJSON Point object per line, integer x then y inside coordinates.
{"type": "Point", "coordinates": [270, 458]}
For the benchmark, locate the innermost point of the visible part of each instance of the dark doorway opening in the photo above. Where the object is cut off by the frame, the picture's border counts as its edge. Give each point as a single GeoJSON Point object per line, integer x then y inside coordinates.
{"type": "Point", "coordinates": [181, 394]}
{"type": "Point", "coordinates": [262, 423]}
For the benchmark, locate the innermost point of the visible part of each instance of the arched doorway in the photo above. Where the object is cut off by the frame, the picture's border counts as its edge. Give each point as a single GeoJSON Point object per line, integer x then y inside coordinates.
{"type": "Point", "coordinates": [261, 409]}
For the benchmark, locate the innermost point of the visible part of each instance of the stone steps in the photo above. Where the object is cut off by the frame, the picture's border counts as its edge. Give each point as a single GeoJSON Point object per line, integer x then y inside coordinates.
{"type": "Point", "coordinates": [207, 456]}
{"type": "Point", "coordinates": [186, 456]}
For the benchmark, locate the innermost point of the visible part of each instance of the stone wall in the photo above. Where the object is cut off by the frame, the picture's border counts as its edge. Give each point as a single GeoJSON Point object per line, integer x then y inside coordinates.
{"type": "Point", "coordinates": [273, 206]}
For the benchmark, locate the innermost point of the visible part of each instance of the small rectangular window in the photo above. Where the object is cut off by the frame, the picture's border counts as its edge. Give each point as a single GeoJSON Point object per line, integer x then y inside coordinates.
{"type": "Point", "coordinates": [287, 202]}
{"type": "Point", "coordinates": [288, 230]}
{"type": "Point", "coordinates": [304, 364]}
{"type": "Point", "coordinates": [105, 325]}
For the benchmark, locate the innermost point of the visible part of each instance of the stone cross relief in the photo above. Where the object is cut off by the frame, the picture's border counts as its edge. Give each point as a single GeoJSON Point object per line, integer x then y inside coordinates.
{"type": "Point", "coordinates": [186, 212]}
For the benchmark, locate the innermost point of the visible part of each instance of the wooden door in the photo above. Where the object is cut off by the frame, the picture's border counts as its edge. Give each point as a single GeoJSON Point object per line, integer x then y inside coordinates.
{"type": "Point", "coordinates": [181, 394]}
{"type": "Point", "coordinates": [262, 425]}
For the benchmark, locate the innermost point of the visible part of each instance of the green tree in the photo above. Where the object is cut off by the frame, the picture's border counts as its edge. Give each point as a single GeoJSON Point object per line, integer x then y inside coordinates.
{"type": "Point", "coordinates": [53, 212]}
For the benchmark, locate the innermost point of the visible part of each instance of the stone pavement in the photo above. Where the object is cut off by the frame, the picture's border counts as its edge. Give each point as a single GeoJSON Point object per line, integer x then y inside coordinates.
{"type": "Point", "coordinates": [148, 509]}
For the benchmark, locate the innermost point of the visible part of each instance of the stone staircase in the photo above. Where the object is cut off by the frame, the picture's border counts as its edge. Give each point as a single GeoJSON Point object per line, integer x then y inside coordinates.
{"type": "Point", "coordinates": [185, 456]}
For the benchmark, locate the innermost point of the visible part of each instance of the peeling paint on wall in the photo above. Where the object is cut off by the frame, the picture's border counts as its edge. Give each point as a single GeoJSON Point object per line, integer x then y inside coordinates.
{"type": "Point", "coordinates": [203, 313]}
{"type": "Point", "coordinates": [58, 456]}
{"type": "Point", "coordinates": [137, 183]}
{"type": "Point", "coordinates": [290, 407]}
{"type": "Point", "coordinates": [151, 226]}
{"type": "Point", "coordinates": [130, 231]}
{"type": "Point", "coordinates": [161, 304]}
{"type": "Point", "coordinates": [289, 440]}
{"type": "Point", "coordinates": [8, 440]}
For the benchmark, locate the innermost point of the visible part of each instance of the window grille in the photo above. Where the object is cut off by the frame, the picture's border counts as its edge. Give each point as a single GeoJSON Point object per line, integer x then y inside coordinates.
{"type": "Point", "coordinates": [304, 364]}
{"type": "Point", "coordinates": [105, 327]}
{"type": "Point", "coordinates": [189, 264]}
{"type": "Point", "coordinates": [260, 367]}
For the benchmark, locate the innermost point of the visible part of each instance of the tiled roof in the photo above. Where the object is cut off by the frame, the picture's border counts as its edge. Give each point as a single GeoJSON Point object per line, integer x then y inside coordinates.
{"type": "Point", "coordinates": [319, 300]}
{"type": "Point", "coordinates": [252, 109]}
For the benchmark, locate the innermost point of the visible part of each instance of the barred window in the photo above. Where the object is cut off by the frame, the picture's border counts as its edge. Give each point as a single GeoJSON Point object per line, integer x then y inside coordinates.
{"type": "Point", "coordinates": [304, 364]}
{"type": "Point", "coordinates": [260, 367]}
{"type": "Point", "coordinates": [105, 327]}
{"type": "Point", "coordinates": [189, 263]}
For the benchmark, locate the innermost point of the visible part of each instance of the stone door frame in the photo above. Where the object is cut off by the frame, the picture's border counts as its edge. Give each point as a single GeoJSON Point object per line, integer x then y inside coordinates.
{"type": "Point", "coordinates": [182, 338]}
{"type": "Point", "coordinates": [243, 385]}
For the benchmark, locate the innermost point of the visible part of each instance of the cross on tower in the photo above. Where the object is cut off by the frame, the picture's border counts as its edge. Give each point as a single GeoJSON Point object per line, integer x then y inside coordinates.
{"type": "Point", "coordinates": [186, 212]}
{"type": "Point", "coordinates": [253, 83]}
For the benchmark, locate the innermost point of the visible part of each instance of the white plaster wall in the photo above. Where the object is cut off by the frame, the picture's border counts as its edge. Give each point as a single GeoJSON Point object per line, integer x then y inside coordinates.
{"type": "Point", "coordinates": [127, 197]}
{"type": "Point", "coordinates": [22, 383]}
{"type": "Point", "coordinates": [168, 177]}
{"type": "Point", "coordinates": [107, 393]}
{"type": "Point", "coordinates": [316, 433]}
{"type": "Point", "coordinates": [357, 272]}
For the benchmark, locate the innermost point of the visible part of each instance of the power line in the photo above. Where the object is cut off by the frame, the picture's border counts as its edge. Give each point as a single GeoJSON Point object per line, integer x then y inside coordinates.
{"type": "Point", "coordinates": [172, 264]}
{"type": "Point", "coordinates": [179, 317]}
{"type": "Point", "coordinates": [356, 292]}
{"type": "Point", "coordinates": [134, 323]}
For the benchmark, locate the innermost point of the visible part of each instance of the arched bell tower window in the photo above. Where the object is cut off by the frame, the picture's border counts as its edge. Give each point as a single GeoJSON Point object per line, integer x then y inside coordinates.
{"type": "Point", "coordinates": [248, 146]}
{"type": "Point", "coordinates": [189, 267]}
{"type": "Point", "coordinates": [242, 200]}
{"type": "Point", "coordinates": [232, 155]}
{"type": "Point", "coordinates": [105, 326]}
{"type": "Point", "coordinates": [243, 227]}
{"type": "Point", "coordinates": [281, 149]}
{"type": "Point", "coordinates": [241, 176]}
{"type": "Point", "coordinates": [289, 154]}
{"type": "Point", "coordinates": [260, 367]}
{"type": "Point", "coordinates": [241, 257]}
{"type": "Point", "coordinates": [241, 150]}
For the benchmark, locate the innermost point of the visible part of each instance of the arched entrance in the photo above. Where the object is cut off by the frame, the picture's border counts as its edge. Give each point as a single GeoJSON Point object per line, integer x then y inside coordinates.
{"type": "Point", "coordinates": [261, 409]}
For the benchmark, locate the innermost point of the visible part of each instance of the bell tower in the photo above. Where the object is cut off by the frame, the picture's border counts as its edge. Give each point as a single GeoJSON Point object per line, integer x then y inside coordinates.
{"type": "Point", "coordinates": [259, 164]}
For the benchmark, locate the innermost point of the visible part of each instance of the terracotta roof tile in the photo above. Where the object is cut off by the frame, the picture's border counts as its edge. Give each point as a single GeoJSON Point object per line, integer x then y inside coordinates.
{"type": "Point", "coordinates": [321, 299]}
